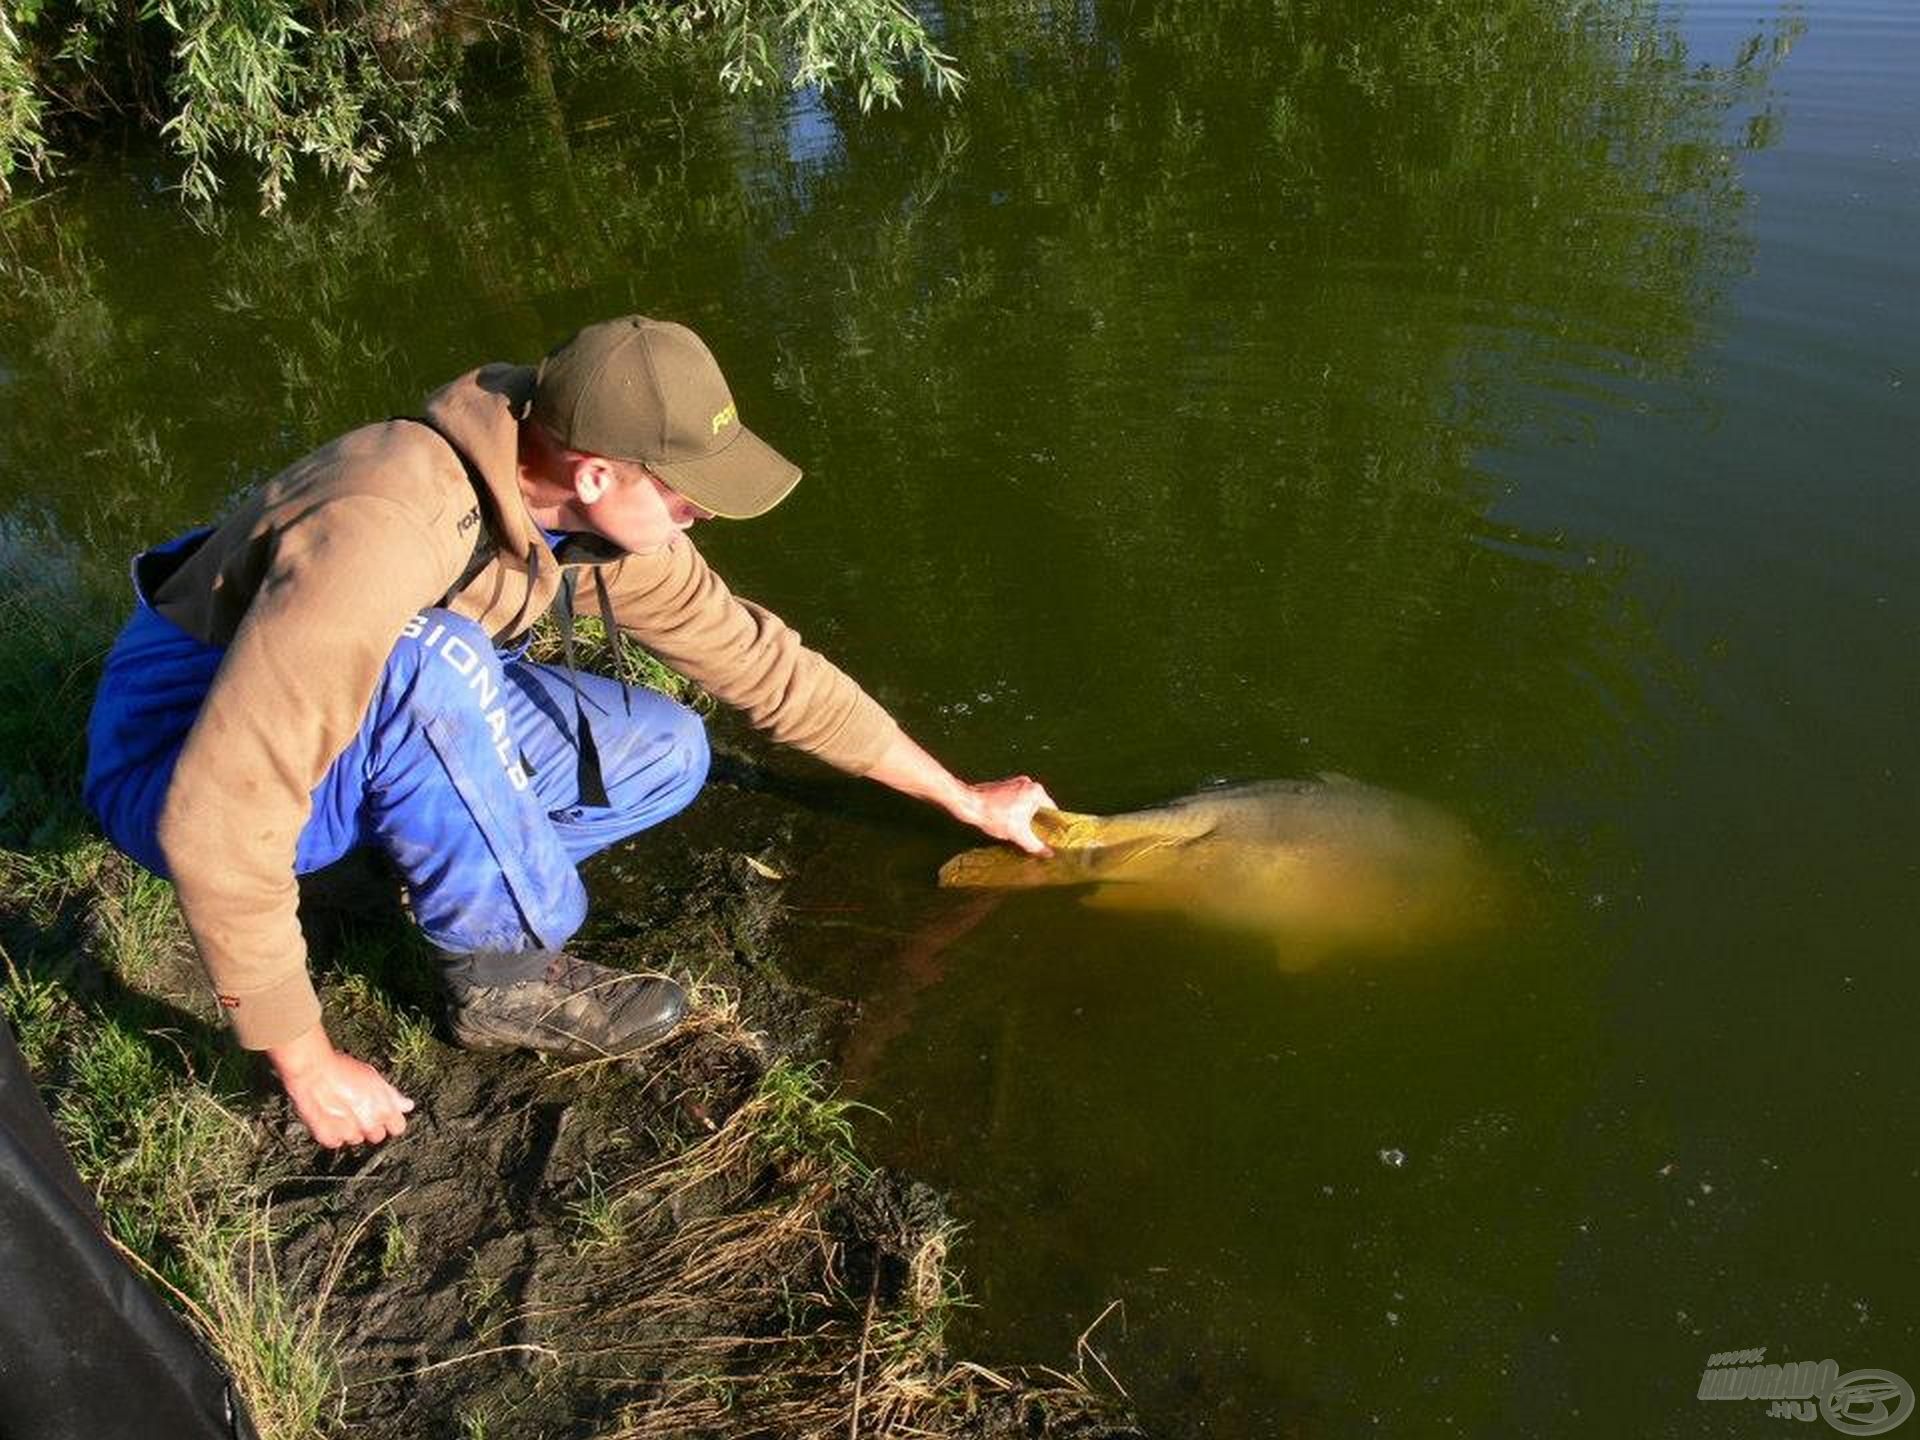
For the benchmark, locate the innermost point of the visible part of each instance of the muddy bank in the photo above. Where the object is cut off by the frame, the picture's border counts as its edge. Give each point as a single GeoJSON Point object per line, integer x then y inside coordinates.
{"type": "Point", "coordinates": [686, 1244]}
{"type": "Point", "coordinates": [689, 1244]}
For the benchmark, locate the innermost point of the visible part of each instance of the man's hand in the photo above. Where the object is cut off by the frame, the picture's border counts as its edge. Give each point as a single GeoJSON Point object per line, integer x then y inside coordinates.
{"type": "Point", "coordinates": [341, 1100]}
{"type": "Point", "coordinates": [1004, 809]}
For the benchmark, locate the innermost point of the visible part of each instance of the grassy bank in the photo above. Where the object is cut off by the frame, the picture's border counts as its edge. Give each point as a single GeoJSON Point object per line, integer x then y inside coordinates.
{"type": "Point", "coordinates": [690, 1244]}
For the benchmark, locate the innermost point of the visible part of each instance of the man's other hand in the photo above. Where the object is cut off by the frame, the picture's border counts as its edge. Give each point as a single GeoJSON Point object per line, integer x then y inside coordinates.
{"type": "Point", "coordinates": [341, 1100]}
{"type": "Point", "coordinates": [1004, 809]}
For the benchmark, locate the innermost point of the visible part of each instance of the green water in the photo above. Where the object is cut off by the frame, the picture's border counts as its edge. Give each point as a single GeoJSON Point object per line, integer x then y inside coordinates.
{"type": "Point", "coordinates": [1510, 408]}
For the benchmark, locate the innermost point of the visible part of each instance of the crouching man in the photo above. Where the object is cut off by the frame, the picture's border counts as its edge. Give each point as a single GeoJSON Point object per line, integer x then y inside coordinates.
{"type": "Point", "coordinates": [341, 664]}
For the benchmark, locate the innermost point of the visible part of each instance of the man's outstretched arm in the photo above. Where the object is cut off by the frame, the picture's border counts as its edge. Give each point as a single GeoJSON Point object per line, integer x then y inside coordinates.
{"type": "Point", "coordinates": [1000, 808]}
{"type": "Point", "coordinates": [745, 655]}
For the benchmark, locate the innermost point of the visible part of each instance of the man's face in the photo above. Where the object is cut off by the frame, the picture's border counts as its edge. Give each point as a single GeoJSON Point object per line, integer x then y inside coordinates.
{"type": "Point", "coordinates": [641, 513]}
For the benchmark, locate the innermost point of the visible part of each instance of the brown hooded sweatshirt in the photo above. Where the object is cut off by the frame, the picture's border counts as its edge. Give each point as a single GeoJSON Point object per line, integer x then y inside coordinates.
{"type": "Point", "coordinates": [307, 586]}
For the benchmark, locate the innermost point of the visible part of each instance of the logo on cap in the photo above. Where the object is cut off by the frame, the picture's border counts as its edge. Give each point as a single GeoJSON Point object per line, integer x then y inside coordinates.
{"type": "Point", "coordinates": [724, 418]}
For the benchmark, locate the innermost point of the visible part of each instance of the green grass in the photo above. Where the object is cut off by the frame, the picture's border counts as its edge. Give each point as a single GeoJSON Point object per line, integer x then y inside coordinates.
{"type": "Point", "coordinates": [138, 921]}
{"type": "Point", "coordinates": [592, 653]}
{"type": "Point", "coordinates": [411, 1049]}
{"type": "Point", "coordinates": [481, 1295]}
{"type": "Point", "coordinates": [271, 1333]}
{"type": "Point", "coordinates": [160, 1134]}
{"type": "Point", "coordinates": [41, 1016]}
{"type": "Point", "coordinates": [799, 1118]}
{"type": "Point", "coordinates": [398, 1249]}
{"type": "Point", "coordinates": [599, 1218]}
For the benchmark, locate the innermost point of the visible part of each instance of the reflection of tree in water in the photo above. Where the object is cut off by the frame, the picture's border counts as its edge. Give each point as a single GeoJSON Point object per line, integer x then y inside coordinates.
{"type": "Point", "coordinates": [1263, 281]}
{"type": "Point", "coordinates": [1257, 280]}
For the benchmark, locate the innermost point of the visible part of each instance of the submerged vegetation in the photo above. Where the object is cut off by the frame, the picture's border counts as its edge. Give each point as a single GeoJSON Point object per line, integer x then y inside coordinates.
{"type": "Point", "coordinates": [342, 86]}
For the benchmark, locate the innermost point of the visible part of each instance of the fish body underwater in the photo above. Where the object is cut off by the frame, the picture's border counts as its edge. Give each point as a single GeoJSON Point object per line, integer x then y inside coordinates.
{"type": "Point", "coordinates": [1322, 865]}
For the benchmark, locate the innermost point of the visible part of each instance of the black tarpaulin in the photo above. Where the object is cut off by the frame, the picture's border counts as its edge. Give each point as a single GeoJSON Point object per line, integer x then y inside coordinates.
{"type": "Point", "coordinates": [87, 1349]}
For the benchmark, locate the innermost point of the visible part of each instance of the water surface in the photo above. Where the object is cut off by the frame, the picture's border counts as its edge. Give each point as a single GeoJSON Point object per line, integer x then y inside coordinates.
{"type": "Point", "coordinates": [1508, 405]}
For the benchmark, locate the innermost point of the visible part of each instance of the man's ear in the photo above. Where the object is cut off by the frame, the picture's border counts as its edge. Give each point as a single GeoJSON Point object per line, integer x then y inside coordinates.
{"type": "Point", "coordinates": [593, 477]}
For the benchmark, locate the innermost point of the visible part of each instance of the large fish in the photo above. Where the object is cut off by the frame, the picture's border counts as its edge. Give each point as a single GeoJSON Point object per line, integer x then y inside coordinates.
{"type": "Point", "coordinates": [1316, 865]}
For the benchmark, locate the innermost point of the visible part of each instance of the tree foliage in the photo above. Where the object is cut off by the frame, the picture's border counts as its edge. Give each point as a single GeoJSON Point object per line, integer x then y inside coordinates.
{"type": "Point", "coordinates": [342, 83]}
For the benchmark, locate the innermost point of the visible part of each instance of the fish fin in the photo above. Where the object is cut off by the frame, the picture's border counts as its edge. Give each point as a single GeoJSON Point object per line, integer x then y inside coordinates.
{"type": "Point", "coordinates": [1109, 858]}
{"type": "Point", "coordinates": [1063, 830]}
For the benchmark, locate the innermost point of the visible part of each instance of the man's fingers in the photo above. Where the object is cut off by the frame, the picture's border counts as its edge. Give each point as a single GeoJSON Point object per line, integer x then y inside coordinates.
{"type": "Point", "coordinates": [1041, 800]}
{"type": "Point", "coordinates": [379, 1115]}
{"type": "Point", "coordinates": [1024, 837]}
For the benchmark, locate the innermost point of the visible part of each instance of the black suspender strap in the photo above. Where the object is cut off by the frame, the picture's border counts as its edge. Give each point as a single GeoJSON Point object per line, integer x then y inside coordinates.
{"type": "Point", "coordinates": [593, 785]}
{"type": "Point", "coordinates": [616, 640]}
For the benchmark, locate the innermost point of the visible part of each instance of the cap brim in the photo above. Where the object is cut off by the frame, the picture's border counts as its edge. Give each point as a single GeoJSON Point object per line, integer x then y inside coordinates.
{"type": "Point", "coordinates": [749, 477]}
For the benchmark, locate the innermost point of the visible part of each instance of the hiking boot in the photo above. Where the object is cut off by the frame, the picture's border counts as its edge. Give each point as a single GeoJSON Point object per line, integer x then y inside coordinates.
{"type": "Point", "coordinates": [548, 1001]}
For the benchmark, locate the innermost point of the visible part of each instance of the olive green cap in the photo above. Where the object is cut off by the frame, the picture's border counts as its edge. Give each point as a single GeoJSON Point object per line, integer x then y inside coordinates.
{"type": "Point", "coordinates": [651, 391]}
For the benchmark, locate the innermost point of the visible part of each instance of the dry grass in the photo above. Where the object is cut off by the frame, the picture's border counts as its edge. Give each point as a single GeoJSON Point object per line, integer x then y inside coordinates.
{"type": "Point", "coordinates": [782, 1218]}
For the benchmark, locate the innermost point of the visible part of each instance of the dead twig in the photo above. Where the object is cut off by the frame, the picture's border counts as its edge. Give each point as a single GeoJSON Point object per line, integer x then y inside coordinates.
{"type": "Point", "coordinates": [545, 1350]}
{"type": "Point", "coordinates": [1083, 1346]}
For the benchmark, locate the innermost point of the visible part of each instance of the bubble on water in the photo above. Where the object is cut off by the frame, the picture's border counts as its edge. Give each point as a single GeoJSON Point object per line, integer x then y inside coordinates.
{"type": "Point", "coordinates": [1394, 1158]}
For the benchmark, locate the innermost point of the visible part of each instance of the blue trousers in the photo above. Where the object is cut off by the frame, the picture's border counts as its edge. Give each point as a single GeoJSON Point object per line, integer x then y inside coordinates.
{"type": "Point", "coordinates": [463, 771]}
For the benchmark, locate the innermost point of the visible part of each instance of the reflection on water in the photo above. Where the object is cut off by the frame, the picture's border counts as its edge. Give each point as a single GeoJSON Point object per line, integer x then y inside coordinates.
{"type": "Point", "coordinates": [1219, 392]}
